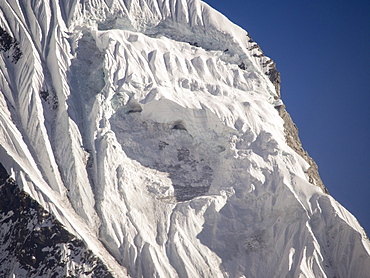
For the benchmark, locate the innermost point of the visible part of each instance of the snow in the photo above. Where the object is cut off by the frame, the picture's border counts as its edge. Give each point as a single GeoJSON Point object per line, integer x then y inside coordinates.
{"type": "Point", "coordinates": [157, 149]}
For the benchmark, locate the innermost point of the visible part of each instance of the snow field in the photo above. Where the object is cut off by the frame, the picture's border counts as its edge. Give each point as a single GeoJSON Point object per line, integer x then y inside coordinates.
{"type": "Point", "coordinates": [157, 148]}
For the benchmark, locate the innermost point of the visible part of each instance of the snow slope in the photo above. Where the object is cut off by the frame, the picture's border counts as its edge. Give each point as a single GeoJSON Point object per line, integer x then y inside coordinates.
{"type": "Point", "coordinates": [149, 129]}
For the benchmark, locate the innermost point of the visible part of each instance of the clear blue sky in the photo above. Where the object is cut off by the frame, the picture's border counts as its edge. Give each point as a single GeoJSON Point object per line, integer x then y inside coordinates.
{"type": "Point", "coordinates": [322, 50]}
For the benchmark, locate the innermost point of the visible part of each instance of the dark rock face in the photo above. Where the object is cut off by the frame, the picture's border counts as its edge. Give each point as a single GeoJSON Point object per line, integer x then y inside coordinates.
{"type": "Point", "coordinates": [274, 77]}
{"type": "Point", "coordinates": [290, 129]}
{"type": "Point", "coordinates": [293, 141]}
{"type": "Point", "coordinates": [34, 244]}
{"type": "Point", "coordinates": [10, 45]}
{"type": "Point", "coordinates": [268, 65]}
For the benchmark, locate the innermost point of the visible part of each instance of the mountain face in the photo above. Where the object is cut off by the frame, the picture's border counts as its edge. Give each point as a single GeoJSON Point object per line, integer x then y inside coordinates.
{"type": "Point", "coordinates": [34, 244]}
{"type": "Point", "coordinates": [147, 138]}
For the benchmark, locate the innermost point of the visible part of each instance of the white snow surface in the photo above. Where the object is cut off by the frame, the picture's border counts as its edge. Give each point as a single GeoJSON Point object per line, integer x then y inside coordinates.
{"type": "Point", "coordinates": [131, 122]}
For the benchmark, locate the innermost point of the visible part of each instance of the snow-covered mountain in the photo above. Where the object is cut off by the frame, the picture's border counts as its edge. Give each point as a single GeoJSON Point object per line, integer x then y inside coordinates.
{"type": "Point", "coordinates": [152, 136]}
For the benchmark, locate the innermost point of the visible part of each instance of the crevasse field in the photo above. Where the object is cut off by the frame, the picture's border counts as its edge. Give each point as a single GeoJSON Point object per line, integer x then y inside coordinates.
{"type": "Point", "coordinates": [150, 130]}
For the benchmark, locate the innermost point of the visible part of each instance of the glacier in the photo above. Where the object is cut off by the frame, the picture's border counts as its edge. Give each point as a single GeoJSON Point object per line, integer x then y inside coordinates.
{"type": "Point", "coordinates": [154, 131]}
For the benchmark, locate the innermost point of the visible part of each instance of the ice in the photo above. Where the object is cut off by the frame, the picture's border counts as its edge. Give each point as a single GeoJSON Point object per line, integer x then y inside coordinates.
{"type": "Point", "coordinates": [150, 130]}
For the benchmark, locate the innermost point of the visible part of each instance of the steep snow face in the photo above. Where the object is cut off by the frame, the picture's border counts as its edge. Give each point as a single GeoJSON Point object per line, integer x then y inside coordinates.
{"type": "Point", "coordinates": [150, 130]}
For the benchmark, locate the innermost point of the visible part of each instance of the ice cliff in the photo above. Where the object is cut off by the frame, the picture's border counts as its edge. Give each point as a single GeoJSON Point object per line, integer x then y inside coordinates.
{"type": "Point", "coordinates": [154, 132]}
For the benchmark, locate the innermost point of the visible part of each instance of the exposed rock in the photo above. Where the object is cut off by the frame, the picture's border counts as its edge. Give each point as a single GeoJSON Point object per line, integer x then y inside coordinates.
{"type": "Point", "coordinates": [34, 244]}
{"type": "Point", "coordinates": [293, 141]}
{"type": "Point", "coordinates": [10, 45]}
{"type": "Point", "coordinates": [274, 77]}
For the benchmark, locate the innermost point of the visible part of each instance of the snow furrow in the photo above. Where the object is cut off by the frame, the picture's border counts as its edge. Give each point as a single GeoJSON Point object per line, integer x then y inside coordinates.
{"type": "Point", "coordinates": [150, 129]}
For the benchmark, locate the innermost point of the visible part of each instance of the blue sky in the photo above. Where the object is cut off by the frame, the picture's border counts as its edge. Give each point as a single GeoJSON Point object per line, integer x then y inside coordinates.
{"type": "Point", "coordinates": [322, 50]}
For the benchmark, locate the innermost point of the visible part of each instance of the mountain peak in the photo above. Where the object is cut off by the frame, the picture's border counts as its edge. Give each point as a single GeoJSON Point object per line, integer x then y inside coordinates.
{"type": "Point", "coordinates": [154, 131]}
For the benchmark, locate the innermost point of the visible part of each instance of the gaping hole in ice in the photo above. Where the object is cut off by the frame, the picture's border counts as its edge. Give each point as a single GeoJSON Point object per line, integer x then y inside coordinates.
{"type": "Point", "coordinates": [133, 108]}
{"type": "Point", "coordinates": [179, 125]}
